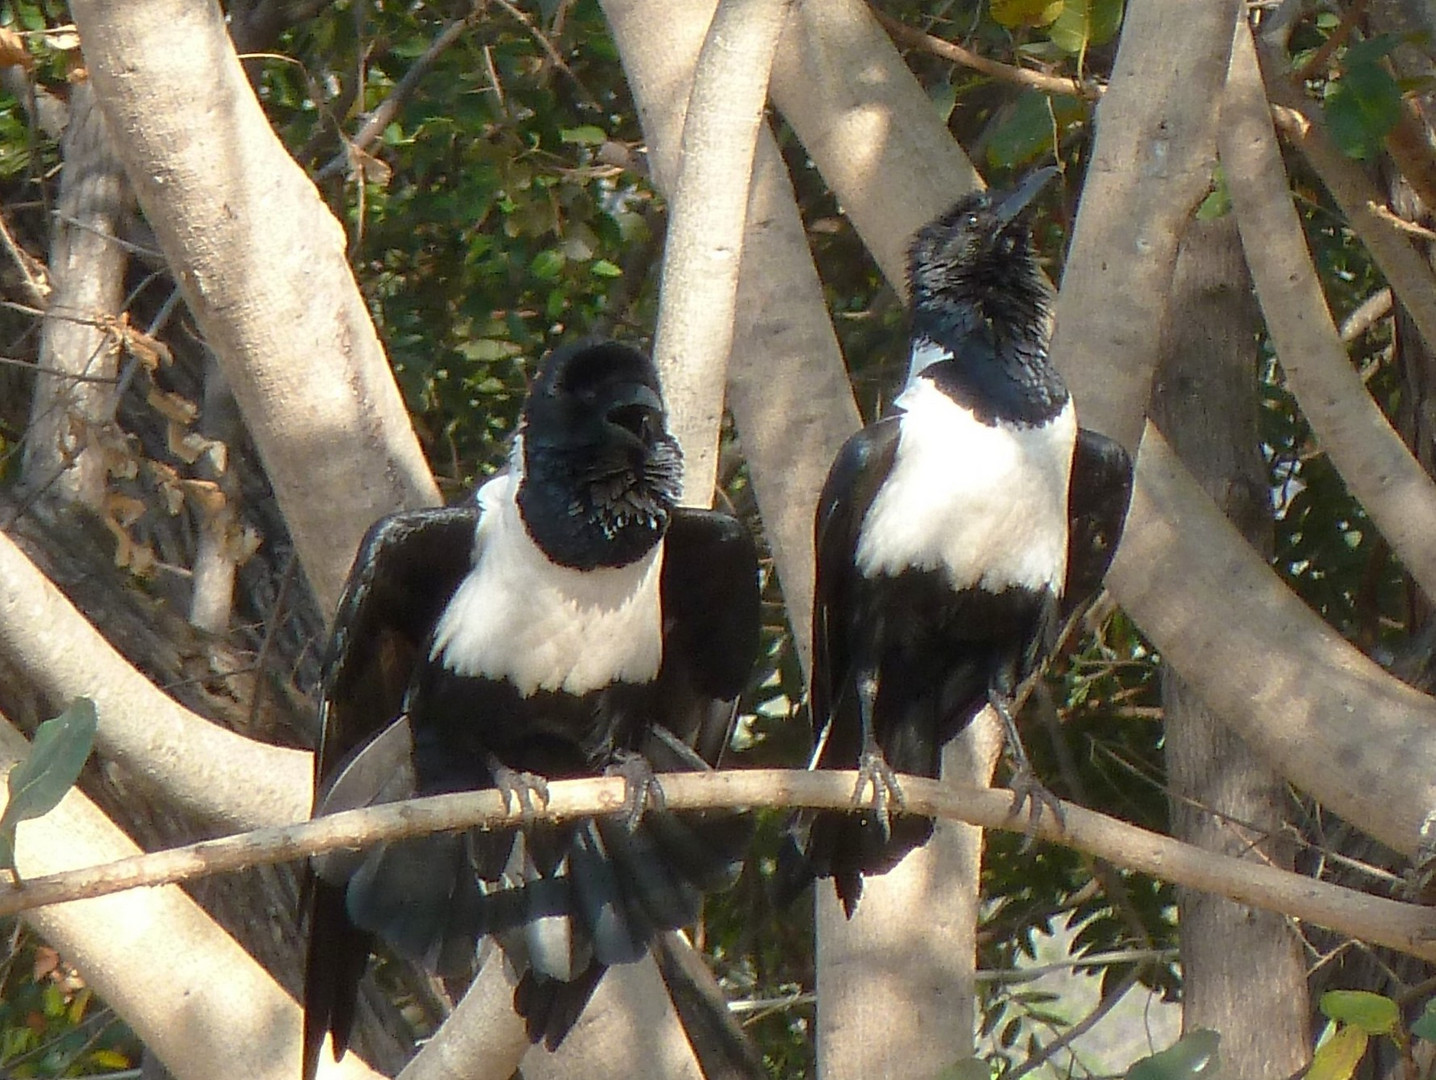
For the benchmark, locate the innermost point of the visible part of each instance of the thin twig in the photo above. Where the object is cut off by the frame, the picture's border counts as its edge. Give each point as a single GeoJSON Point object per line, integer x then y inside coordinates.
{"type": "Point", "coordinates": [389, 108]}
{"type": "Point", "coordinates": [1367, 314]}
{"type": "Point", "coordinates": [1385, 213]}
{"type": "Point", "coordinates": [1409, 928]}
{"type": "Point", "coordinates": [59, 373]}
{"type": "Point", "coordinates": [555, 57]}
{"type": "Point", "coordinates": [1316, 63]}
{"type": "Point", "coordinates": [37, 289]}
{"type": "Point", "coordinates": [1077, 1030]}
{"type": "Point", "coordinates": [1089, 89]}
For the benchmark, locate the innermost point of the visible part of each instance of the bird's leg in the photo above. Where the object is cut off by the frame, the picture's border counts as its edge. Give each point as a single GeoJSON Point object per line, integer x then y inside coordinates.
{"type": "Point", "coordinates": [523, 786]}
{"type": "Point", "coordinates": [872, 766]}
{"type": "Point", "coordinates": [641, 790]}
{"type": "Point", "coordinates": [1026, 788]}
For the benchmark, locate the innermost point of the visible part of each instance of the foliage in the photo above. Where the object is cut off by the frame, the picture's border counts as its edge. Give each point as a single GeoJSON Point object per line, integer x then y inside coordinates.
{"type": "Point", "coordinates": [40, 780]}
{"type": "Point", "coordinates": [504, 208]}
{"type": "Point", "coordinates": [51, 1024]}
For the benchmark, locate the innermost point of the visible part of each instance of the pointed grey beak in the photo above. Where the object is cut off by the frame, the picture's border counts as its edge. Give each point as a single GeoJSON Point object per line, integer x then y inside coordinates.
{"type": "Point", "coordinates": [1011, 205]}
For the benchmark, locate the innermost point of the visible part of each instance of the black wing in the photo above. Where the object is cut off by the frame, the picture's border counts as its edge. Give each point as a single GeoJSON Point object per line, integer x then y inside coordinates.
{"type": "Point", "coordinates": [711, 619]}
{"type": "Point", "coordinates": [407, 567]}
{"type": "Point", "coordinates": [852, 484]}
{"type": "Point", "coordinates": [1097, 498]}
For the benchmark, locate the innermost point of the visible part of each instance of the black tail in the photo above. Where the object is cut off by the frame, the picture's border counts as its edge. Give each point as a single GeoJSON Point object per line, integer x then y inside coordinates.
{"type": "Point", "coordinates": [338, 954]}
{"type": "Point", "coordinates": [565, 901]}
{"type": "Point", "coordinates": [602, 893]}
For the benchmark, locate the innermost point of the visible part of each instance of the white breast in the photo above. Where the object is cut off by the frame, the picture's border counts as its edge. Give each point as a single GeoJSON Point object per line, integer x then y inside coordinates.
{"type": "Point", "coordinates": [987, 504]}
{"type": "Point", "coordinates": [545, 627]}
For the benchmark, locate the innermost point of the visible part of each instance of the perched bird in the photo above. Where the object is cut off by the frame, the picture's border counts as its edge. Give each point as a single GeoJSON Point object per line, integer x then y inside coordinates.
{"type": "Point", "coordinates": [943, 533]}
{"type": "Point", "coordinates": [572, 621]}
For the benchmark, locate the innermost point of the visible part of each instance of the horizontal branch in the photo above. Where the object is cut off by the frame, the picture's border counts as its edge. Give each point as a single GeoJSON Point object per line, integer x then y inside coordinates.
{"type": "Point", "coordinates": [1409, 928]}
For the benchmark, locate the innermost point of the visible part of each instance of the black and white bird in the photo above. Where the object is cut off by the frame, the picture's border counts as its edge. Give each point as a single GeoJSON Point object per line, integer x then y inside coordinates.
{"type": "Point", "coordinates": [572, 621]}
{"type": "Point", "coordinates": [943, 532]}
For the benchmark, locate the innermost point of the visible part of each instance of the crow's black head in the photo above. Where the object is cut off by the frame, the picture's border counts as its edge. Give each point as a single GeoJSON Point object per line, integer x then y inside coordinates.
{"type": "Point", "coordinates": [600, 471]}
{"type": "Point", "coordinates": [975, 266]}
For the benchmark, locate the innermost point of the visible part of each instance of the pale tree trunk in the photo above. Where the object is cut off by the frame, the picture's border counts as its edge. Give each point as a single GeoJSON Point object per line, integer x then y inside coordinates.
{"type": "Point", "coordinates": [262, 265]}
{"type": "Point", "coordinates": [1223, 798]}
{"type": "Point", "coordinates": [72, 411]}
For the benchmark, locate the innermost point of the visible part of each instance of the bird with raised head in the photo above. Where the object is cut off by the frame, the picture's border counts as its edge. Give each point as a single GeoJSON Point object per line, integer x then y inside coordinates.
{"type": "Point", "coordinates": [943, 534]}
{"type": "Point", "coordinates": [571, 621]}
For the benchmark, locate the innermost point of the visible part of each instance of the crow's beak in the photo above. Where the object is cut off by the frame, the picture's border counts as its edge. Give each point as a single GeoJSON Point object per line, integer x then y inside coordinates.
{"type": "Point", "coordinates": [638, 410]}
{"type": "Point", "coordinates": [1010, 206]}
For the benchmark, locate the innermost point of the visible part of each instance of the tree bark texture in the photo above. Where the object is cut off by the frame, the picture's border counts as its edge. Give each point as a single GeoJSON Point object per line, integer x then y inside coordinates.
{"type": "Point", "coordinates": [1223, 798]}
{"type": "Point", "coordinates": [294, 338]}
{"type": "Point", "coordinates": [70, 418]}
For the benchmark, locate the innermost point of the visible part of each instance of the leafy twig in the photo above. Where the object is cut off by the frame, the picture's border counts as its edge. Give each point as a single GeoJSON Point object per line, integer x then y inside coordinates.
{"type": "Point", "coordinates": [903, 34]}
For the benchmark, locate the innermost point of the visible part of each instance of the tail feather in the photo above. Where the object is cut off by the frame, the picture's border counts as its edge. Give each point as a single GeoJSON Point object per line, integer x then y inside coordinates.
{"type": "Point", "coordinates": [338, 954]}
{"type": "Point", "coordinates": [651, 883]}
{"type": "Point", "coordinates": [620, 935]}
{"type": "Point", "coordinates": [420, 896]}
{"type": "Point", "coordinates": [550, 1007]}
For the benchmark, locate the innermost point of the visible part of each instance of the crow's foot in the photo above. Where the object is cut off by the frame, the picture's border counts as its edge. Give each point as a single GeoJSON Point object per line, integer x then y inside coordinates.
{"type": "Point", "coordinates": [1026, 788]}
{"type": "Point", "coordinates": [523, 786]}
{"type": "Point", "coordinates": [641, 790]}
{"type": "Point", "coordinates": [887, 797]}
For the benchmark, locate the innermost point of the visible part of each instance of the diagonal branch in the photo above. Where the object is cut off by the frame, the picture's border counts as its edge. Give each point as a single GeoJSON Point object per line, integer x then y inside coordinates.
{"type": "Point", "coordinates": [903, 34]}
{"type": "Point", "coordinates": [219, 775]}
{"type": "Point", "coordinates": [1410, 928]}
{"type": "Point", "coordinates": [1385, 235]}
{"type": "Point", "coordinates": [1362, 444]}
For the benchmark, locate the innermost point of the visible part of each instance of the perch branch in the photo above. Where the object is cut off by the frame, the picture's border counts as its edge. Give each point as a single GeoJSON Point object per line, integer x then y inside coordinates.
{"type": "Point", "coordinates": [1409, 928]}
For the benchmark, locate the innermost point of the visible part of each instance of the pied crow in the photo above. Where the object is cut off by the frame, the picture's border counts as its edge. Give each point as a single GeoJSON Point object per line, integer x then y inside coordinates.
{"type": "Point", "coordinates": [571, 621]}
{"type": "Point", "coordinates": [943, 533]}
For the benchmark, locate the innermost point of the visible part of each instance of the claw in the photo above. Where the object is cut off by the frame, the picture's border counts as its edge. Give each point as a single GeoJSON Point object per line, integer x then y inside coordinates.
{"type": "Point", "coordinates": [521, 786]}
{"type": "Point", "coordinates": [887, 797]}
{"type": "Point", "coordinates": [1026, 788]}
{"type": "Point", "coordinates": [641, 790]}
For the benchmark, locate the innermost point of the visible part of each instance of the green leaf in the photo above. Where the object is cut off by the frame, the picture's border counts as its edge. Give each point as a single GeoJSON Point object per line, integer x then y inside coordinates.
{"type": "Point", "coordinates": [584, 135]}
{"type": "Point", "coordinates": [1337, 1058]}
{"type": "Point", "coordinates": [1015, 13]}
{"type": "Point", "coordinates": [1372, 1013]}
{"type": "Point", "coordinates": [1369, 51]}
{"type": "Point", "coordinates": [488, 350]}
{"type": "Point", "coordinates": [605, 269]}
{"type": "Point", "coordinates": [1425, 1025]}
{"type": "Point", "coordinates": [1192, 1057]}
{"type": "Point", "coordinates": [1085, 23]}
{"type": "Point", "coordinates": [50, 769]}
{"type": "Point", "coordinates": [1218, 202]}
{"type": "Point", "coordinates": [1028, 130]}
{"type": "Point", "coordinates": [547, 264]}
{"type": "Point", "coordinates": [1361, 108]}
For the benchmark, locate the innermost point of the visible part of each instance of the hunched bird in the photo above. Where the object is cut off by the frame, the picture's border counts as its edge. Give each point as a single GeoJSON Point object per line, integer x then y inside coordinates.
{"type": "Point", "coordinates": [571, 621]}
{"type": "Point", "coordinates": [950, 535]}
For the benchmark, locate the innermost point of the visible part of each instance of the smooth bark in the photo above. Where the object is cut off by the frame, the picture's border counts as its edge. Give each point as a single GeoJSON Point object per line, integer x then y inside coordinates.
{"type": "Point", "coordinates": [219, 775]}
{"type": "Point", "coordinates": [1152, 163]}
{"type": "Point", "coordinates": [70, 418]}
{"type": "Point", "coordinates": [187, 989]}
{"type": "Point", "coordinates": [262, 264]}
{"type": "Point", "coordinates": [1351, 428]}
{"type": "Point", "coordinates": [703, 250]}
{"type": "Point", "coordinates": [1223, 797]}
